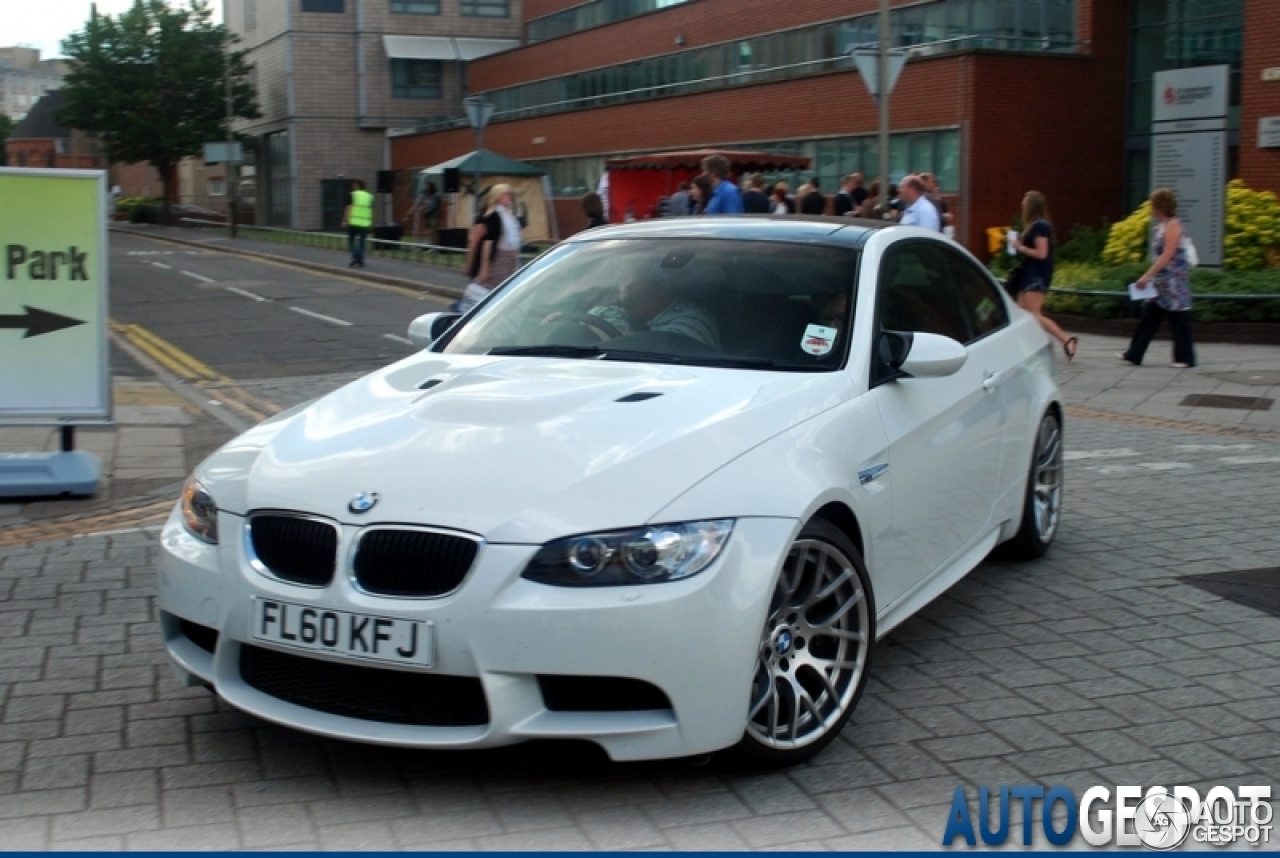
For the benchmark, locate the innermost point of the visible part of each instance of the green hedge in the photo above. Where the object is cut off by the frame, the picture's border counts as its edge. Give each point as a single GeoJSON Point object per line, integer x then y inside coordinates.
{"type": "Point", "coordinates": [1204, 281]}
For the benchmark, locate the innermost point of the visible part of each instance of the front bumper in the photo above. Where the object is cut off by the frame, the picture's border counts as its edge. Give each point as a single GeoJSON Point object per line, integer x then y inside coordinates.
{"type": "Point", "coordinates": [696, 640]}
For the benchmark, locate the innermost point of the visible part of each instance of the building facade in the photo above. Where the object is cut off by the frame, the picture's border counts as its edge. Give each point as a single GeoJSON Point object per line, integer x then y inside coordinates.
{"type": "Point", "coordinates": [997, 96]}
{"type": "Point", "coordinates": [24, 78]}
{"type": "Point", "coordinates": [333, 75]}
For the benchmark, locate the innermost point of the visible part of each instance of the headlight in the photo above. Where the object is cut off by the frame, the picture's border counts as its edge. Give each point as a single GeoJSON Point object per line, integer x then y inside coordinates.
{"type": "Point", "coordinates": [644, 555]}
{"type": "Point", "coordinates": [199, 512]}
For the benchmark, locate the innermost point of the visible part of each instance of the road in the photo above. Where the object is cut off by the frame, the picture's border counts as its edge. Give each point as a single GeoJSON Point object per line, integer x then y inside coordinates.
{"type": "Point", "coordinates": [249, 319]}
{"type": "Point", "coordinates": [1102, 664]}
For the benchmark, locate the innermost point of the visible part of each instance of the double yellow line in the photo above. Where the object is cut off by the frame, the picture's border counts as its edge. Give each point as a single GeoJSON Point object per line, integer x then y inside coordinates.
{"type": "Point", "coordinates": [219, 387]}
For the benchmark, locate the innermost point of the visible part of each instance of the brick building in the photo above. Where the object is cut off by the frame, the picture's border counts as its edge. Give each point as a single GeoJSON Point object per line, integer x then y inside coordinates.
{"type": "Point", "coordinates": [40, 141]}
{"type": "Point", "coordinates": [997, 96]}
{"type": "Point", "coordinates": [333, 75]}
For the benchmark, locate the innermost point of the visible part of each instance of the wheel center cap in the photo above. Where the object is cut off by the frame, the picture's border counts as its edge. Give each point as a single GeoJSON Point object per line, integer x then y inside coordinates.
{"type": "Point", "coordinates": [783, 641]}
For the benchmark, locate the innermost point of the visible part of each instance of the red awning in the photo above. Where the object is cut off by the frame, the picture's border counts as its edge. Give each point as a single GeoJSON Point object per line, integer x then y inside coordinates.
{"type": "Point", "coordinates": [740, 161]}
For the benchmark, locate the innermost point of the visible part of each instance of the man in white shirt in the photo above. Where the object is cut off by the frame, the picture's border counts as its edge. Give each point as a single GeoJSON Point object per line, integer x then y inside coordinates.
{"type": "Point", "coordinates": [919, 211]}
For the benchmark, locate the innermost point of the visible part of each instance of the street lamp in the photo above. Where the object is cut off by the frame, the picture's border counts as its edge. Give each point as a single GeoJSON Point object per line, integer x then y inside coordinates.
{"type": "Point", "coordinates": [230, 169]}
{"type": "Point", "coordinates": [479, 110]}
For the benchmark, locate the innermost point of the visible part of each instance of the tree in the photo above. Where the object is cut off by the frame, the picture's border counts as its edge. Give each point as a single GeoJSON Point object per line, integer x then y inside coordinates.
{"type": "Point", "coordinates": [6, 128]}
{"type": "Point", "coordinates": [151, 82]}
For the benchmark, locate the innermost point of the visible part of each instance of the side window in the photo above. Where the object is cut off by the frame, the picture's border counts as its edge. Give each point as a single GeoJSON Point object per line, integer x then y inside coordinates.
{"type": "Point", "coordinates": [917, 293]}
{"type": "Point", "coordinates": [983, 304]}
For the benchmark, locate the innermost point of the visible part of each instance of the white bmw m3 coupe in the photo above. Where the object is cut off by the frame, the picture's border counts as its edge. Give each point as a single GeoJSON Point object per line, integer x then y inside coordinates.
{"type": "Point", "coordinates": [661, 491]}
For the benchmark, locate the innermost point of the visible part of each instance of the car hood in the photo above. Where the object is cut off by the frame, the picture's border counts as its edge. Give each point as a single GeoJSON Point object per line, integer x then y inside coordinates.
{"type": "Point", "coordinates": [517, 450]}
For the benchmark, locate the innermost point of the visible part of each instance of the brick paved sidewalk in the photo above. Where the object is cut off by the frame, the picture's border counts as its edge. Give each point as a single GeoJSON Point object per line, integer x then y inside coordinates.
{"type": "Point", "coordinates": [1096, 665]}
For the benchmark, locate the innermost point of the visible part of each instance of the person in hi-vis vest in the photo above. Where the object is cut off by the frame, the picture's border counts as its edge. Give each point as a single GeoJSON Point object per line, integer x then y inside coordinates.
{"type": "Point", "coordinates": [357, 219]}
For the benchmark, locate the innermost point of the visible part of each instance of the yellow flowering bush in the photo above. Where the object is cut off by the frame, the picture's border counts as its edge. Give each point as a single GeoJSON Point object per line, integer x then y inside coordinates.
{"type": "Point", "coordinates": [1252, 230]}
{"type": "Point", "coordinates": [1127, 241]}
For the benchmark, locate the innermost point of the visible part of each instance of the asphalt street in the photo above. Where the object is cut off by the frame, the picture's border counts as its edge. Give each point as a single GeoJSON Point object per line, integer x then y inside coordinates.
{"type": "Point", "coordinates": [1107, 662]}
{"type": "Point", "coordinates": [250, 319]}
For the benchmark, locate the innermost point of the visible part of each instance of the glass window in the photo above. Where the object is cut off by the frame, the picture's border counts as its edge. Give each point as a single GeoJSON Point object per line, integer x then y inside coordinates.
{"type": "Point", "coordinates": [917, 293]}
{"type": "Point", "coordinates": [1061, 21]}
{"type": "Point", "coordinates": [920, 157]}
{"type": "Point", "coordinates": [737, 304]}
{"type": "Point", "coordinates": [322, 6]}
{"type": "Point", "coordinates": [485, 8]}
{"type": "Point", "coordinates": [416, 7]}
{"type": "Point", "coordinates": [982, 301]}
{"type": "Point", "coordinates": [216, 187]}
{"type": "Point", "coordinates": [947, 160]}
{"type": "Point", "coordinates": [1153, 11]}
{"type": "Point", "coordinates": [415, 78]}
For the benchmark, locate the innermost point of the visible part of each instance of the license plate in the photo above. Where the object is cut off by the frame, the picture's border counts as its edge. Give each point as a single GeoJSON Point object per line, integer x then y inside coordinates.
{"type": "Point", "coordinates": [368, 636]}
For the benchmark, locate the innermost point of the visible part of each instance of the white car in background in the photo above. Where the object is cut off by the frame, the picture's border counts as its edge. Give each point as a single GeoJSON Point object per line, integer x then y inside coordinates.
{"type": "Point", "coordinates": [662, 491]}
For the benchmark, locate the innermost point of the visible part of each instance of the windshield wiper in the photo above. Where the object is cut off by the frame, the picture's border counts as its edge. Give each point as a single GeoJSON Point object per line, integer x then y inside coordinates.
{"type": "Point", "coordinates": [549, 351]}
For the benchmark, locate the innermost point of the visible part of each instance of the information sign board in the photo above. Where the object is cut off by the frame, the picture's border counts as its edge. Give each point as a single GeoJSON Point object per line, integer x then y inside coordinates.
{"type": "Point", "coordinates": [1189, 150]}
{"type": "Point", "coordinates": [1269, 132]}
{"type": "Point", "coordinates": [1191, 165]}
{"type": "Point", "coordinates": [54, 365]}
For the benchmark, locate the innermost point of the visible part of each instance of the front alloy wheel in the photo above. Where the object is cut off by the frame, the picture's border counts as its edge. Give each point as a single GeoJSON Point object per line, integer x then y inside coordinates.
{"type": "Point", "coordinates": [814, 650]}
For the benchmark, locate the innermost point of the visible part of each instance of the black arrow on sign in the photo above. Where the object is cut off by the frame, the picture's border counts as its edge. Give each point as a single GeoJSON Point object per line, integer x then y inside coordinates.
{"type": "Point", "coordinates": [38, 322]}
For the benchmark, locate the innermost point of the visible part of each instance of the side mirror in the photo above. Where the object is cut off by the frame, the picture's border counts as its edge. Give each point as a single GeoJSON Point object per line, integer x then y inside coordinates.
{"type": "Point", "coordinates": [428, 328]}
{"type": "Point", "coordinates": [933, 356]}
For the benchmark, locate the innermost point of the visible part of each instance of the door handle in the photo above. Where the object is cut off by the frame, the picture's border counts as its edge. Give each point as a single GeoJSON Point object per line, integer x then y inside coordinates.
{"type": "Point", "coordinates": [991, 381]}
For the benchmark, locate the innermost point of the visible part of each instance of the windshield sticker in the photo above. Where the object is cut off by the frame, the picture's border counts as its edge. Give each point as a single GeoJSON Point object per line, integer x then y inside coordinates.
{"type": "Point", "coordinates": [819, 340]}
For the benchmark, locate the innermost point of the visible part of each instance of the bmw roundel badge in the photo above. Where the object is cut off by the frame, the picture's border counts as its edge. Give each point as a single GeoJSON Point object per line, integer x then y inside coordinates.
{"type": "Point", "coordinates": [363, 502]}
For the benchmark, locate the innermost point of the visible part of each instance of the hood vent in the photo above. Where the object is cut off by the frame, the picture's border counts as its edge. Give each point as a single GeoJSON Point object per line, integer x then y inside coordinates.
{"type": "Point", "coordinates": [638, 397]}
{"type": "Point", "coordinates": [430, 383]}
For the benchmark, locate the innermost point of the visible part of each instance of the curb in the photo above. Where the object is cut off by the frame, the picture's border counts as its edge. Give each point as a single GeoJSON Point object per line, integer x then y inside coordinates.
{"type": "Point", "coordinates": [1235, 333]}
{"type": "Point", "coordinates": [382, 279]}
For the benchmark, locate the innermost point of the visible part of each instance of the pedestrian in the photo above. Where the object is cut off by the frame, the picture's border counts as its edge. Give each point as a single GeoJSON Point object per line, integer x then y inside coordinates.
{"type": "Point", "coordinates": [1036, 247]}
{"type": "Point", "coordinates": [425, 210]}
{"type": "Point", "coordinates": [593, 207]}
{"type": "Point", "coordinates": [357, 218]}
{"type": "Point", "coordinates": [867, 208]}
{"type": "Point", "coordinates": [850, 197]}
{"type": "Point", "coordinates": [815, 201]}
{"type": "Point", "coordinates": [755, 200]}
{"type": "Point", "coordinates": [701, 193]}
{"type": "Point", "coordinates": [1171, 273]}
{"type": "Point", "coordinates": [680, 204]}
{"type": "Point", "coordinates": [725, 198]}
{"type": "Point", "coordinates": [500, 247]}
{"type": "Point", "coordinates": [782, 202]}
{"type": "Point", "coordinates": [917, 210]}
{"type": "Point", "coordinates": [934, 194]}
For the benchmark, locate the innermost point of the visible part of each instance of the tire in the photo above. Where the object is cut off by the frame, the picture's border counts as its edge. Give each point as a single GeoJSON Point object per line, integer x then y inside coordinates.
{"type": "Point", "coordinates": [1042, 503]}
{"type": "Point", "coordinates": [823, 586]}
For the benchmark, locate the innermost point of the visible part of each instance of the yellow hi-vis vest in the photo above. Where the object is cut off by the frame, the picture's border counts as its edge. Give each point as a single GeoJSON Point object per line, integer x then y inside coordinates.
{"type": "Point", "coordinates": [361, 209]}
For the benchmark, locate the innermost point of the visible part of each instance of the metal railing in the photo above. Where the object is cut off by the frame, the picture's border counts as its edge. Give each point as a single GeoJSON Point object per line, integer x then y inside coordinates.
{"type": "Point", "coordinates": [410, 251]}
{"type": "Point", "coordinates": [1197, 296]}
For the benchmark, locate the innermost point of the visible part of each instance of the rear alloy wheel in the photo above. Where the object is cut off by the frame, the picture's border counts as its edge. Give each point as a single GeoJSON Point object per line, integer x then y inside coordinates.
{"type": "Point", "coordinates": [814, 650]}
{"type": "Point", "coordinates": [1042, 507]}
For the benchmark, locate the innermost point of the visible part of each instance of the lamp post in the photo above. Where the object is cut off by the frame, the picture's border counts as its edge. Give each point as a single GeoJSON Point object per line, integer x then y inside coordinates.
{"type": "Point", "coordinates": [886, 34]}
{"type": "Point", "coordinates": [230, 168]}
{"type": "Point", "coordinates": [479, 110]}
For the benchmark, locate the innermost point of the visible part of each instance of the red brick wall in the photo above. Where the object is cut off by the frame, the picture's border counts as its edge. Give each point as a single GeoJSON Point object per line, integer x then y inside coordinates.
{"type": "Point", "coordinates": [1055, 125]}
{"type": "Point", "coordinates": [701, 23]}
{"type": "Point", "coordinates": [30, 153]}
{"type": "Point", "coordinates": [1259, 168]}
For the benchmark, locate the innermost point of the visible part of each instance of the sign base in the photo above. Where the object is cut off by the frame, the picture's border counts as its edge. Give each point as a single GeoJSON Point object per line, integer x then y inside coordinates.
{"type": "Point", "coordinates": [49, 474]}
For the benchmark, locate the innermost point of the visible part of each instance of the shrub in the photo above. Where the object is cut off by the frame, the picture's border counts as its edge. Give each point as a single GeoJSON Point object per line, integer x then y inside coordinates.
{"type": "Point", "coordinates": [1252, 229]}
{"type": "Point", "coordinates": [1127, 241]}
{"type": "Point", "coordinates": [1085, 245]}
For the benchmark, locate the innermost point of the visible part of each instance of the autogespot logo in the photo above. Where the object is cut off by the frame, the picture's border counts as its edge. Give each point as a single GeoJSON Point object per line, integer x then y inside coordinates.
{"type": "Point", "coordinates": [1157, 818]}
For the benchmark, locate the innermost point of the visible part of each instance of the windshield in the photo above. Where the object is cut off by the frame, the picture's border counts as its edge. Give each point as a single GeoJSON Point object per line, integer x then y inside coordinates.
{"type": "Point", "coordinates": [711, 302]}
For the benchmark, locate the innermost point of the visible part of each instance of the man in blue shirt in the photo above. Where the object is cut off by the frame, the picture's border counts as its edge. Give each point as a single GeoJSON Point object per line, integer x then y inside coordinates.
{"type": "Point", "coordinates": [725, 197]}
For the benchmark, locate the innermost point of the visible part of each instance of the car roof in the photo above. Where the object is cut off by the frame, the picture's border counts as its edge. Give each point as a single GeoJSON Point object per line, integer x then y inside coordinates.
{"type": "Point", "coordinates": [804, 228]}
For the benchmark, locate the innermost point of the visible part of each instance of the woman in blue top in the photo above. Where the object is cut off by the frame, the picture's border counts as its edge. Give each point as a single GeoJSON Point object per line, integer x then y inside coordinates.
{"type": "Point", "coordinates": [1036, 246]}
{"type": "Point", "coordinates": [1171, 272]}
